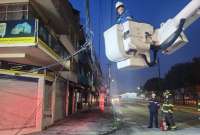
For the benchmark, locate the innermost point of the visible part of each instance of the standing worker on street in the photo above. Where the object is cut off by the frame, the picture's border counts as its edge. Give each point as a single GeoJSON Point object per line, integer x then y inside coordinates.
{"type": "Point", "coordinates": [153, 111]}
{"type": "Point", "coordinates": [123, 14]}
{"type": "Point", "coordinates": [167, 110]}
{"type": "Point", "coordinates": [198, 105]}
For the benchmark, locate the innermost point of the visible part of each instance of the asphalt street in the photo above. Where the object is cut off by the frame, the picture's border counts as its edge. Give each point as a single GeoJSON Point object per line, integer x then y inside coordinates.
{"type": "Point", "coordinates": [126, 118]}
{"type": "Point", "coordinates": [134, 117]}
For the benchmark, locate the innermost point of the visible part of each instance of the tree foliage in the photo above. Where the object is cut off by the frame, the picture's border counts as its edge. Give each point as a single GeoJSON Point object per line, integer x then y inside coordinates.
{"type": "Point", "coordinates": [154, 84]}
{"type": "Point", "coordinates": [179, 76]}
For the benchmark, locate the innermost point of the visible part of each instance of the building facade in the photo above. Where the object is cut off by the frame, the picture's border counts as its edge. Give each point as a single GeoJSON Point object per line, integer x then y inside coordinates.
{"type": "Point", "coordinates": [38, 86]}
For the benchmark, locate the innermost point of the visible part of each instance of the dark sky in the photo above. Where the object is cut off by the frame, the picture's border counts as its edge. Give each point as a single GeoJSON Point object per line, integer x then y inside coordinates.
{"type": "Point", "coordinates": [150, 11]}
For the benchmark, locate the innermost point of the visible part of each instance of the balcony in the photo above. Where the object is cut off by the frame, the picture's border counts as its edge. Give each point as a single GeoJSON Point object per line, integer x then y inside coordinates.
{"type": "Point", "coordinates": [66, 25]}
{"type": "Point", "coordinates": [29, 42]}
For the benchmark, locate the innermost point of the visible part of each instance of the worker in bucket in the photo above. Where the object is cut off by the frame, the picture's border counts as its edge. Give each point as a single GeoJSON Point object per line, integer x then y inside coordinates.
{"type": "Point", "coordinates": [167, 110]}
{"type": "Point", "coordinates": [123, 14]}
{"type": "Point", "coordinates": [153, 111]}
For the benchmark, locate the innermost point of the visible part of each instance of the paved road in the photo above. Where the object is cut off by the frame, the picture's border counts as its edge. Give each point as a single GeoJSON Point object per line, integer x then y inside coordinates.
{"type": "Point", "coordinates": [134, 120]}
{"type": "Point", "coordinates": [134, 117]}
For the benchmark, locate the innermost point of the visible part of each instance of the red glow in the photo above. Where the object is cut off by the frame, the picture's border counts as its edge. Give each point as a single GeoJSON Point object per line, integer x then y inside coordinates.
{"type": "Point", "coordinates": [101, 101]}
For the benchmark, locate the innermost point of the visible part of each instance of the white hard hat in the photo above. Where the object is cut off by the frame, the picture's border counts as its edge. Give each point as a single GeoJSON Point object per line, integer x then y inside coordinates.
{"type": "Point", "coordinates": [153, 95]}
{"type": "Point", "coordinates": [118, 4]}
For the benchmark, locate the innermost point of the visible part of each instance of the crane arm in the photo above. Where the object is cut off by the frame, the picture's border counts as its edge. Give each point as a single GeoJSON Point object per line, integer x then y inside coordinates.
{"type": "Point", "coordinates": [190, 13]}
{"type": "Point", "coordinates": [143, 38]}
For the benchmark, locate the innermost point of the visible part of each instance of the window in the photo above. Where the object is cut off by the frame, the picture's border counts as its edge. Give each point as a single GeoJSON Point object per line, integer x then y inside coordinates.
{"type": "Point", "coordinates": [2, 13]}
{"type": "Point", "coordinates": [14, 12]}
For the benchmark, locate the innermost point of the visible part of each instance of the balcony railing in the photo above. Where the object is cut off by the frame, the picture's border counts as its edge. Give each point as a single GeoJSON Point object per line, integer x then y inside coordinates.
{"type": "Point", "coordinates": [51, 41]}
{"type": "Point", "coordinates": [27, 32]}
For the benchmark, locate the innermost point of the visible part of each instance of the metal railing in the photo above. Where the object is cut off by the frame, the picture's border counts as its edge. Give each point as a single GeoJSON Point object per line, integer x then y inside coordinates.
{"type": "Point", "coordinates": [30, 28]}
{"type": "Point", "coordinates": [51, 41]}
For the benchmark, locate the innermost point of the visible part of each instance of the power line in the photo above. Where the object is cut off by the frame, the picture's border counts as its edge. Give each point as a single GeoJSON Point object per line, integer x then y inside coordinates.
{"type": "Point", "coordinates": [99, 19]}
{"type": "Point", "coordinates": [83, 48]}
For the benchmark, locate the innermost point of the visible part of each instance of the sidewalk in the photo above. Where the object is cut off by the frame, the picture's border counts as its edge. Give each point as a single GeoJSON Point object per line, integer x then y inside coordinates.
{"type": "Point", "coordinates": [91, 122]}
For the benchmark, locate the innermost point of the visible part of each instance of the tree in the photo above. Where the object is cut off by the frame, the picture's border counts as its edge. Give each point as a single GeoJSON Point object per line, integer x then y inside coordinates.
{"type": "Point", "coordinates": [154, 84]}
{"type": "Point", "coordinates": [196, 71]}
{"type": "Point", "coordinates": [182, 75]}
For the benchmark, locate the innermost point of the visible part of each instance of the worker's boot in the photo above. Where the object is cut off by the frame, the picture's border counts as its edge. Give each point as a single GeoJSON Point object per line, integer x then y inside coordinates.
{"type": "Point", "coordinates": [149, 126]}
{"type": "Point", "coordinates": [173, 128]}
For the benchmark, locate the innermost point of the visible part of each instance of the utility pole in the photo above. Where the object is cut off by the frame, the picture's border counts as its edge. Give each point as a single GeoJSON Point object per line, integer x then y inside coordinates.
{"type": "Point", "coordinates": [88, 19]}
{"type": "Point", "coordinates": [159, 77]}
{"type": "Point", "coordinates": [109, 75]}
{"type": "Point", "coordinates": [159, 68]}
{"type": "Point", "coordinates": [89, 38]}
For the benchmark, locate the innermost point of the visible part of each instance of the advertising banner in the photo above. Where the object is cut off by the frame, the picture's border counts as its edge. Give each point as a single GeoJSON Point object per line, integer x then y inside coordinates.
{"type": "Point", "coordinates": [16, 32]}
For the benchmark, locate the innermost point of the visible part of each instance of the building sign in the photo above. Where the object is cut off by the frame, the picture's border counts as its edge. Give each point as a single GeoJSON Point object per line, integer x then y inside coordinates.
{"type": "Point", "coordinates": [14, 32]}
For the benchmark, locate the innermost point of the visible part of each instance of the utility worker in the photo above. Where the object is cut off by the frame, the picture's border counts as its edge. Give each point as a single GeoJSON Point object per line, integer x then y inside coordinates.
{"type": "Point", "coordinates": [123, 14]}
{"type": "Point", "coordinates": [167, 110]}
{"type": "Point", "coordinates": [198, 104]}
{"type": "Point", "coordinates": [153, 111]}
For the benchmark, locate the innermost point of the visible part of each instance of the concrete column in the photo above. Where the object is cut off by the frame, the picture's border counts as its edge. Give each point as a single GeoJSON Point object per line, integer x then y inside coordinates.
{"type": "Point", "coordinates": [67, 98]}
{"type": "Point", "coordinates": [54, 99]}
{"type": "Point", "coordinates": [40, 104]}
{"type": "Point", "coordinates": [73, 102]}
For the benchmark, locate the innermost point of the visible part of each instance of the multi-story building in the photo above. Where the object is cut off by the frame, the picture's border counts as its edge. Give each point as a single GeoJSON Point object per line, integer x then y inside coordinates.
{"type": "Point", "coordinates": [38, 86]}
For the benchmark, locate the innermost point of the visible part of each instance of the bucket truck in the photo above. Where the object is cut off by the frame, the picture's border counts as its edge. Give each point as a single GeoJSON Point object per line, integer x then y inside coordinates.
{"type": "Point", "coordinates": [130, 44]}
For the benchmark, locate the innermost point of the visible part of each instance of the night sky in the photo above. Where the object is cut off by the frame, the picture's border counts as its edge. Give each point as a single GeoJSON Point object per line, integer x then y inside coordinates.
{"type": "Point", "coordinates": [154, 12]}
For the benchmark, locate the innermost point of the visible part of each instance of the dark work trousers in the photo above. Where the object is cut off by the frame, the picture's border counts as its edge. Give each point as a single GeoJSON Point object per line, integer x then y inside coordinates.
{"type": "Point", "coordinates": [153, 117]}
{"type": "Point", "coordinates": [169, 119]}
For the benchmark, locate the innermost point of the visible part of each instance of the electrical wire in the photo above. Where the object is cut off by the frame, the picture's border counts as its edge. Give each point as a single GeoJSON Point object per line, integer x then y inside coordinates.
{"type": "Point", "coordinates": [88, 44]}
{"type": "Point", "coordinates": [83, 48]}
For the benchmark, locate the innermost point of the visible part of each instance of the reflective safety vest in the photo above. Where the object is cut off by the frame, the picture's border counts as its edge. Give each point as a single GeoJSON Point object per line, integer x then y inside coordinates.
{"type": "Point", "coordinates": [167, 106]}
{"type": "Point", "coordinates": [198, 106]}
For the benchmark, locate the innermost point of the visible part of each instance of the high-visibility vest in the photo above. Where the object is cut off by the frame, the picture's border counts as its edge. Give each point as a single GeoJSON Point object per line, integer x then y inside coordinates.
{"type": "Point", "coordinates": [198, 106]}
{"type": "Point", "coordinates": [167, 106]}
